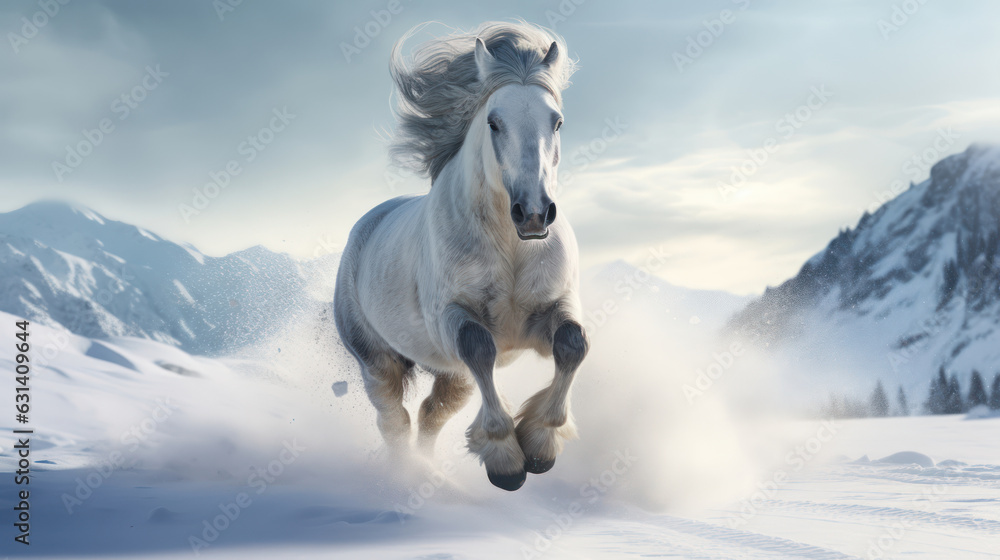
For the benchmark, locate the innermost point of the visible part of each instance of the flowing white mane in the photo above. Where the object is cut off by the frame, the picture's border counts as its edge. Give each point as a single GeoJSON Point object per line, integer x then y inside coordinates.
{"type": "Point", "coordinates": [440, 90]}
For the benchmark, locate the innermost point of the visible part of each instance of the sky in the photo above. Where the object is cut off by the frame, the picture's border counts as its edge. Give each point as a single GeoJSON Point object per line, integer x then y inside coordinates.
{"type": "Point", "coordinates": [737, 137]}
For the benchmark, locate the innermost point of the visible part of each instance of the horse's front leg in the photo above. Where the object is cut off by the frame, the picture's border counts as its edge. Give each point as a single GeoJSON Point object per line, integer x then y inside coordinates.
{"type": "Point", "coordinates": [491, 436]}
{"type": "Point", "coordinates": [544, 421]}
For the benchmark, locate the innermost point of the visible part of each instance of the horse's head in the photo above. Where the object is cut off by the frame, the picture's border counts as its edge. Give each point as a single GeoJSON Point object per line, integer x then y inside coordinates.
{"type": "Point", "coordinates": [522, 151]}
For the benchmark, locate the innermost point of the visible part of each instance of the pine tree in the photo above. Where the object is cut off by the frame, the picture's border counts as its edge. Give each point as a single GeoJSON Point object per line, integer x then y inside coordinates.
{"type": "Point", "coordinates": [878, 404]}
{"type": "Point", "coordinates": [953, 400]}
{"type": "Point", "coordinates": [977, 391]}
{"type": "Point", "coordinates": [938, 395]}
{"type": "Point", "coordinates": [995, 393]}
{"type": "Point", "coordinates": [904, 407]}
{"type": "Point", "coordinates": [855, 408]}
{"type": "Point", "coordinates": [833, 409]}
{"type": "Point", "coordinates": [949, 282]}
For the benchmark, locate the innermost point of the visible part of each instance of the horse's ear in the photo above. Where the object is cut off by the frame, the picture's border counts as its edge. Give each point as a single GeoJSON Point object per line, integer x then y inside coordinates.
{"type": "Point", "coordinates": [552, 55]}
{"type": "Point", "coordinates": [483, 59]}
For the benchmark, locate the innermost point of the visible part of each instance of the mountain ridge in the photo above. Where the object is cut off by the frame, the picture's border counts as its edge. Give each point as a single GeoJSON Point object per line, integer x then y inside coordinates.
{"type": "Point", "coordinates": [920, 269]}
{"type": "Point", "coordinates": [65, 264]}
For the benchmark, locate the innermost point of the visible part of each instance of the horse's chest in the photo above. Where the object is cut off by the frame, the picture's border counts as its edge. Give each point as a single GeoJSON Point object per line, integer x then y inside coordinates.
{"type": "Point", "coordinates": [506, 293]}
{"type": "Point", "coordinates": [500, 301]}
{"type": "Point", "coordinates": [509, 301]}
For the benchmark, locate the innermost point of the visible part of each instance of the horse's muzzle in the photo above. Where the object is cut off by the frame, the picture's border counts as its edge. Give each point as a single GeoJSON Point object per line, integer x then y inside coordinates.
{"type": "Point", "coordinates": [533, 225]}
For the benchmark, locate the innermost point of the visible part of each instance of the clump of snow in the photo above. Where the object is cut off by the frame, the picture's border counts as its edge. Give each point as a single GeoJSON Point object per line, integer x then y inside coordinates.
{"type": "Point", "coordinates": [908, 458]}
{"type": "Point", "coordinates": [101, 351]}
{"type": "Point", "coordinates": [980, 412]}
{"type": "Point", "coordinates": [340, 388]}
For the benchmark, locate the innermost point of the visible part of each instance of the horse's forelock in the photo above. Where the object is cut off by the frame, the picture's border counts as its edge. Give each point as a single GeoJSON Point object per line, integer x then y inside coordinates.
{"type": "Point", "coordinates": [439, 90]}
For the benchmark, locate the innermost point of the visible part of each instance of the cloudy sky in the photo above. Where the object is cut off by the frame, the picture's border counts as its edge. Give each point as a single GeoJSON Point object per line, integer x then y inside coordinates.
{"type": "Point", "coordinates": [833, 100]}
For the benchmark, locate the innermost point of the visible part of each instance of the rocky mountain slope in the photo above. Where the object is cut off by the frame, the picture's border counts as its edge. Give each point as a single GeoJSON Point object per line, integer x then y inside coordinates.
{"type": "Point", "coordinates": [69, 266]}
{"type": "Point", "coordinates": [913, 287]}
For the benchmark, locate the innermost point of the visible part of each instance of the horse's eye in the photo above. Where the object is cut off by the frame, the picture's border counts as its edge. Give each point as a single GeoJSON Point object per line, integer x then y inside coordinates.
{"type": "Point", "coordinates": [493, 126]}
{"type": "Point", "coordinates": [558, 125]}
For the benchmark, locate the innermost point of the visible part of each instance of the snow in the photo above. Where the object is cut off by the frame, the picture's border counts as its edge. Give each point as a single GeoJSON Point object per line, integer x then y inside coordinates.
{"type": "Point", "coordinates": [183, 292]}
{"type": "Point", "coordinates": [255, 429]}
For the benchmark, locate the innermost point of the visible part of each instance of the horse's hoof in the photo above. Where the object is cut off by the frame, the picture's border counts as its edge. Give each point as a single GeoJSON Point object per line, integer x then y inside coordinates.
{"type": "Point", "coordinates": [509, 482]}
{"type": "Point", "coordinates": [534, 465]}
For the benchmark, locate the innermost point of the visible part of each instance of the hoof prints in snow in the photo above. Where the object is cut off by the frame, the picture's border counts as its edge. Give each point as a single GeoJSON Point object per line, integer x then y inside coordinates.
{"type": "Point", "coordinates": [676, 537]}
{"type": "Point", "coordinates": [887, 515]}
{"type": "Point", "coordinates": [976, 475]}
{"type": "Point", "coordinates": [324, 515]}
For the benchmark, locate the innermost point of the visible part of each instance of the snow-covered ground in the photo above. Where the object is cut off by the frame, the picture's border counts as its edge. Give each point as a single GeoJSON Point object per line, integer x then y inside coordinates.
{"type": "Point", "coordinates": [141, 448]}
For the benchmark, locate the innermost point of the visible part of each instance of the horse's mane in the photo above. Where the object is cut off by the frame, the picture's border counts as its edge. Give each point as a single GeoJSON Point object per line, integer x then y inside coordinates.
{"type": "Point", "coordinates": [439, 91]}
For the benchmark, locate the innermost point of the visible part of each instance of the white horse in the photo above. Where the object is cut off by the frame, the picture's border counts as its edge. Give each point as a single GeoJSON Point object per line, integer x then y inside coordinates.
{"type": "Point", "coordinates": [465, 278]}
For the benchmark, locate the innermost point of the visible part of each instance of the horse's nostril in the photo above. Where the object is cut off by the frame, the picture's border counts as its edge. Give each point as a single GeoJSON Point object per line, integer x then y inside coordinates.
{"type": "Point", "coordinates": [550, 214]}
{"type": "Point", "coordinates": [517, 213]}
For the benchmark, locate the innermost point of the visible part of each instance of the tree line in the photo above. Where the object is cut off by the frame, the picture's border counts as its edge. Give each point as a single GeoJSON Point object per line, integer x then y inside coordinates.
{"type": "Point", "coordinates": [944, 397]}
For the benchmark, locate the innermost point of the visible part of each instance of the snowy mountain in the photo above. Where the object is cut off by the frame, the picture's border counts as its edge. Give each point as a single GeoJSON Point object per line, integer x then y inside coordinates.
{"type": "Point", "coordinates": [912, 287]}
{"type": "Point", "coordinates": [69, 266]}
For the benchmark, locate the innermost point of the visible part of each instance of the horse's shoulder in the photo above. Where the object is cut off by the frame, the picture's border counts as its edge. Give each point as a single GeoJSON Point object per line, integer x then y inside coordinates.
{"type": "Point", "coordinates": [364, 227]}
{"type": "Point", "coordinates": [383, 209]}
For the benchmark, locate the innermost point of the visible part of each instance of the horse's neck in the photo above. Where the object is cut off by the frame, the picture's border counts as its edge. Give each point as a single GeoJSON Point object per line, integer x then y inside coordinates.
{"type": "Point", "coordinates": [462, 198]}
